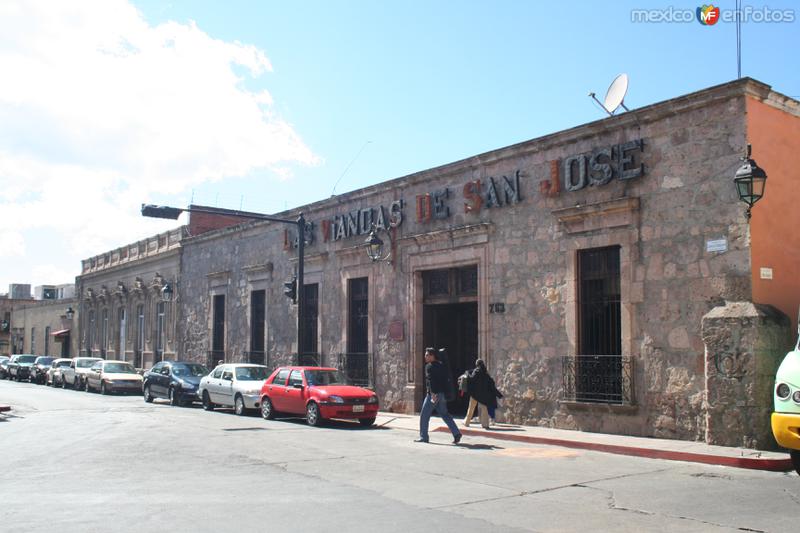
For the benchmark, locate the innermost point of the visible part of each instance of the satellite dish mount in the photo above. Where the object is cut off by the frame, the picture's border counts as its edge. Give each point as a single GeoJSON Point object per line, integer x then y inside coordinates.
{"type": "Point", "coordinates": [615, 96]}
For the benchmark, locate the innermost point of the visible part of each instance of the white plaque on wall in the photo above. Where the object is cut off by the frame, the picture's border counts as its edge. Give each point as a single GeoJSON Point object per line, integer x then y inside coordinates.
{"type": "Point", "coordinates": [766, 273]}
{"type": "Point", "coordinates": [717, 245]}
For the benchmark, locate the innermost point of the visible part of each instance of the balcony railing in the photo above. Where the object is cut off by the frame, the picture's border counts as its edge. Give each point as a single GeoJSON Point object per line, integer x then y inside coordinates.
{"type": "Point", "coordinates": [257, 357]}
{"type": "Point", "coordinates": [598, 379]}
{"type": "Point", "coordinates": [308, 359]}
{"type": "Point", "coordinates": [357, 369]}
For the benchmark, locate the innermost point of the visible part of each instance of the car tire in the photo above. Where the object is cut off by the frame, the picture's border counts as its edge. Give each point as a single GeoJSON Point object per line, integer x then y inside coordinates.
{"type": "Point", "coordinates": [267, 411]}
{"type": "Point", "coordinates": [174, 397]}
{"type": "Point", "coordinates": [103, 389]}
{"type": "Point", "coordinates": [366, 422]}
{"type": "Point", "coordinates": [795, 455]}
{"type": "Point", "coordinates": [238, 406]}
{"type": "Point", "coordinates": [313, 416]}
{"type": "Point", "coordinates": [148, 397]}
{"type": "Point", "coordinates": [76, 384]}
{"type": "Point", "coordinates": [207, 405]}
{"type": "Point", "coordinates": [63, 383]}
{"type": "Point", "coordinates": [86, 386]}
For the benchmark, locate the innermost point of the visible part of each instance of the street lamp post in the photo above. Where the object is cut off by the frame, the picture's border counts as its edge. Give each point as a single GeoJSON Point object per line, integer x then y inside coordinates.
{"type": "Point", "coordinates": [172, 213]}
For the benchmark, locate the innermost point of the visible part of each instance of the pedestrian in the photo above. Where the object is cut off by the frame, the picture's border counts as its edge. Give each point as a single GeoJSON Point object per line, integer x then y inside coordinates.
{"type": "Point", "coordinates": [483, 394]}
{"type": "Point", "coordinates": [435, 399]}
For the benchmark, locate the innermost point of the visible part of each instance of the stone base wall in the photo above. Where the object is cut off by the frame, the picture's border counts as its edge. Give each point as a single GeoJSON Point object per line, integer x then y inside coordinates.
{"type": "Point", "coordinates": [745, 344]}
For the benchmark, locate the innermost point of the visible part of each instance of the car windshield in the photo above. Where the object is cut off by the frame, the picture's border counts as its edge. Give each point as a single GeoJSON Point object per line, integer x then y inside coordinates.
{"type": "Point", "coordinates": [26, 359]}
{"type": "Point", "coordinates": [186, 370]}
{"type": "Point", "coordinates": [252, 373]}
{"type": "Point", "coordinates": [324, 377]}
{"type": "Point", "coordinates": [119, 368]}
{"type": "Point", "coordinates": [45, 360]}
{"type": "Point", "coordinates": [85, 363]}
{"type": "Point", "coordinates": [64, 363]}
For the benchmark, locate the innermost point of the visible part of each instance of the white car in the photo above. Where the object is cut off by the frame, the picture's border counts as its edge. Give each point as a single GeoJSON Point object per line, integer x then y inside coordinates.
{"type": "Point", "coordinates": [73, 375]}
{"type": "Point", "coordinates": [54, 372]}
{"type": "Point", "coordinates": [233, 385]}
{"type": "Point", "coordinates": [113, 376]}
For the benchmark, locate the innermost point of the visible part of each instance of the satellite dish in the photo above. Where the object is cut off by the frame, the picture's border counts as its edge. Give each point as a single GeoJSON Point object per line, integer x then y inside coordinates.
{"type": "Point", "coordinates": [615, 95]}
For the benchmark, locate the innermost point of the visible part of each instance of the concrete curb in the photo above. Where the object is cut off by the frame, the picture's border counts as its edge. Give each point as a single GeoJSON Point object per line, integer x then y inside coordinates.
{"type": "Point", "coordinates": [753, 463]}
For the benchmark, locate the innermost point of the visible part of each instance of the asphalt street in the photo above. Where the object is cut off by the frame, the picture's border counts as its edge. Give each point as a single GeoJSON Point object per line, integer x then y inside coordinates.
{"type": "Point", "coordinates": [77, 461]}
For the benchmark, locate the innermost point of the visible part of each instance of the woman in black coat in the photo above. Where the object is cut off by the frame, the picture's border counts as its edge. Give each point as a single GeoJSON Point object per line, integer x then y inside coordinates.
{"type": "Point", "coordinates": [483, 394]}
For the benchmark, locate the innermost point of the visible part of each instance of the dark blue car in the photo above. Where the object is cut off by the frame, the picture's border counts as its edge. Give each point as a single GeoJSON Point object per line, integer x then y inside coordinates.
{"type": "Point", "coordinates": [175, 380]}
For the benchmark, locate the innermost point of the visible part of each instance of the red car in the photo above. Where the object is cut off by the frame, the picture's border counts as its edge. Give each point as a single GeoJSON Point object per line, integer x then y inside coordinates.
{"type": "Point", "coordinates": [318, 393]}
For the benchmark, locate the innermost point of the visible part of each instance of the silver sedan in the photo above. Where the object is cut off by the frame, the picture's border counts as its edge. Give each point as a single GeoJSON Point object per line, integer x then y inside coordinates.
{"type": "Point", "coordinates": [233, 385]}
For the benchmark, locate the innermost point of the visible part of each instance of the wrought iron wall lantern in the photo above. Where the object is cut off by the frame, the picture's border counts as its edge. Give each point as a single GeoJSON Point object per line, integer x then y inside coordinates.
{"type": "Point", "coordinates": [750, 181]}
{"type": "Point", "coordinates": [167, 292]}
{"type": "Point", "coordinates": [69, 313]}
{"type": "Point", "coordinates": [374, 246]}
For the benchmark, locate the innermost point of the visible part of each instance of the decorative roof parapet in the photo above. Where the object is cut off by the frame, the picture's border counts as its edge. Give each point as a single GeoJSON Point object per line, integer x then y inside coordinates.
{"type": "Point", "coordinates": [149, 247]}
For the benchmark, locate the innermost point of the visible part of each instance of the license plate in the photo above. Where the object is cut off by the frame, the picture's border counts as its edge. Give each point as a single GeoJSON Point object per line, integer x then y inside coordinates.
{"type": "Point", "coordinates": [358, 408]}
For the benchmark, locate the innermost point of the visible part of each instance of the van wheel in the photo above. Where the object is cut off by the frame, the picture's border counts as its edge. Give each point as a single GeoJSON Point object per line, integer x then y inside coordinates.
{"type": "Point", "coordinates": [795, 454]}
{"type": "Point", "coordinates": [207, 405]}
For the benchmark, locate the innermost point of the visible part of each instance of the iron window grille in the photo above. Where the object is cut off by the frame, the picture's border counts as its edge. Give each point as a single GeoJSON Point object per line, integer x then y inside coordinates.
{"type": "Point", "coordinates": [357, 369]}
{"type": "Point", "coordinates": [598, 379]}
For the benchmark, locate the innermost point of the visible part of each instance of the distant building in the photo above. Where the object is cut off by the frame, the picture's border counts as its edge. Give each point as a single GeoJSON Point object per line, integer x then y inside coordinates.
{"type": "Point", "coordinates": [19, 291]}
{"type": "Point", "coordinates": [54, 292]}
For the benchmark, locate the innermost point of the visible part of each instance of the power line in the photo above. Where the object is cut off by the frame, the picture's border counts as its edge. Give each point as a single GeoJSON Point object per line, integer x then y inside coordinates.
{"type": "Point", "coordinates": [348, 167]}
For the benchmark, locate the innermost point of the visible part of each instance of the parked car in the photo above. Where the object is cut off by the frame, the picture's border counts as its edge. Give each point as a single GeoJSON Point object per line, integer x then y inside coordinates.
{"type": "Point", "coordinates": [54, 372]}
{"type": "Point", "coordinates": [39, 369]}
{"type": "Point", "coordinates": [4, 366]}
{"type": "Point", "coordinates": [318, 393]}
{"type": "Point", "coordinates": [73, 375]}
{"type": "Point", "coordinates": [233, 385]}
{"type": "Point", "coordinates": [19, 367]}
{"type": "Point", "coordinates": [112, 376]}
{"type": "Point", "coordinates": [175, 380]}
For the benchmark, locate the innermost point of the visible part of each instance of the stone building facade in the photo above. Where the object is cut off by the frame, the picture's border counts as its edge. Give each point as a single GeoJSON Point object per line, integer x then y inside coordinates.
{"type": "Point", "coordinates": [122, 313]}
{"type": "Point", "coordinates": [44, 327]}
{"type": "Point", "coordinates": [606, 273]}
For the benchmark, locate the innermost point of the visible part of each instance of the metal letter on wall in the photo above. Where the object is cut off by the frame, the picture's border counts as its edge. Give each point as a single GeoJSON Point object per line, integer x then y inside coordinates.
{"type": "Point", "coordinates": [571, 181]}
{"type": "Point", "coordinates": [440, 209]}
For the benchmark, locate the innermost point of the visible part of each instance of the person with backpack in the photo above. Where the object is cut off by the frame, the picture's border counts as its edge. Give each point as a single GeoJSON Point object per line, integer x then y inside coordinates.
{"type": "Point", "coordinates": [483, 394]}
{"type": "Point", "coordinates": [436, 383]}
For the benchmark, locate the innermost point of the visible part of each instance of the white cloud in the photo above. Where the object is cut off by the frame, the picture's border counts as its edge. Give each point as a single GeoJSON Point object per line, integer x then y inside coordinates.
{"type": "Point", "coordinates": [100, 111]}
{"type": "Point", "coordinates": [12, 244]}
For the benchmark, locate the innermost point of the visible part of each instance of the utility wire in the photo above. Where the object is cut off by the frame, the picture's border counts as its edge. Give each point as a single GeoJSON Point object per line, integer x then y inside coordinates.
{"type": "Point", "coordinates": [333, 192]}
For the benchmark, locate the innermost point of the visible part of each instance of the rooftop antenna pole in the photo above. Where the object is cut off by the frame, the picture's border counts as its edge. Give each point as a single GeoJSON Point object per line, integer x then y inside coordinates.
{"type": "Point", "coordinates": [333, 192]}
{"type": "Point", "coordinates": [738, 39]}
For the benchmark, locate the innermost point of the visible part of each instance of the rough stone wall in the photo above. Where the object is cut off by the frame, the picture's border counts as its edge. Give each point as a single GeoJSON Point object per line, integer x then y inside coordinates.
{"type": "Point", "coordinates": [745, 344]}
{"type": "Point", "coordinates": [526, 253]}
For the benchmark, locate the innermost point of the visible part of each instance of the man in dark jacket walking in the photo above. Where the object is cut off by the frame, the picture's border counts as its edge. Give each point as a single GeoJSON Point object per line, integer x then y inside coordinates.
{"type": "Point", "coordinates": [436, 383]}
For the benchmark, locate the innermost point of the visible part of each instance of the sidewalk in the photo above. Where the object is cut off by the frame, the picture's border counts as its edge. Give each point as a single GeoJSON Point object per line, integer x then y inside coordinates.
{"type": "Point", "coordinates": [671, 450]}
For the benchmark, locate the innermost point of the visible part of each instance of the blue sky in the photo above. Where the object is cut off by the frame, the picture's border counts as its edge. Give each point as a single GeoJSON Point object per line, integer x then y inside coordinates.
{"type": "Point", "coordinates": [265, 105]}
